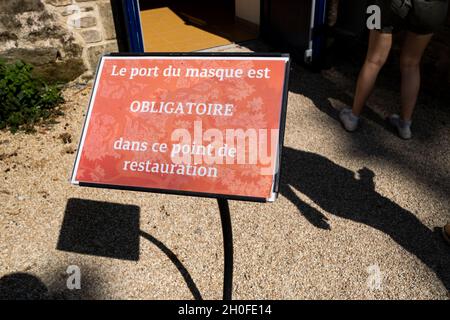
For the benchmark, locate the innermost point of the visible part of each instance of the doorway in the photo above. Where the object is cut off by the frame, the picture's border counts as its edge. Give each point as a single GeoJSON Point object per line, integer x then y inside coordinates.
{"type": "Point", "coordinates": [184, 26]}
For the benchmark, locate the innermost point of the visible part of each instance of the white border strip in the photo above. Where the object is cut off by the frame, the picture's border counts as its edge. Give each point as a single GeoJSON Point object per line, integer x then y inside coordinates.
{"type": "Point", "coordinates": [195, 58]}
{"type": "Point", "coordinates": [87, 119]}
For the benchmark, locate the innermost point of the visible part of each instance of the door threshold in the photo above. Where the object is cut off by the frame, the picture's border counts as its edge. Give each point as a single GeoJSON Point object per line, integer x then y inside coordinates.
{"type": "Point", "coordinates": [219, 48]}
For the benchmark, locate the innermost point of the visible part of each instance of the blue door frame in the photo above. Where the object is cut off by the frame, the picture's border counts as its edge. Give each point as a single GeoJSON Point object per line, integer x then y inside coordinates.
{"type": "Point", "coordinates": [133, 25]}
{"type": "Point", "coordinates": [318, 37]}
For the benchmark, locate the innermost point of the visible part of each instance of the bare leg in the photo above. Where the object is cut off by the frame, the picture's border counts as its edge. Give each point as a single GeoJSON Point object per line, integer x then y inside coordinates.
{"type": "Point", "coordinates": [377, 54]}
{"type": "Point", "coordinates": [411, 55]}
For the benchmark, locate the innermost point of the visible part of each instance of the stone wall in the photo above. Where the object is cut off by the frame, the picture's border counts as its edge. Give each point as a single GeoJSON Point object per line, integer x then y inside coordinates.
{"type": "Point", "coordinates": [63, 39]}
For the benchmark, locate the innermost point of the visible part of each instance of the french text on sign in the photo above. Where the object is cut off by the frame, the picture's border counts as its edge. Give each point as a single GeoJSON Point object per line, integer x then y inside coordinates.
{"type": "Point", "coordinates": [219, 73]}
{"type": "Point", "coordinates": [191, 124]}
{"type": "Point", "coordinates": [201, 108]}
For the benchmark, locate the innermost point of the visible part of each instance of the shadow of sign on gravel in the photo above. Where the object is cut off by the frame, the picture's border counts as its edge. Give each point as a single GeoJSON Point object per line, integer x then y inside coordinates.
{"type": "Point", "coordinates": [101, 229]}
{"type": "Point", "coordinates": [111, 230]}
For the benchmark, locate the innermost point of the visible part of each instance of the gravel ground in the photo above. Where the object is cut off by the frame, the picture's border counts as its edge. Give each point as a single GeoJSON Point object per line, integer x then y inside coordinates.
{"type": "Point", "coordinates": [355, 219]}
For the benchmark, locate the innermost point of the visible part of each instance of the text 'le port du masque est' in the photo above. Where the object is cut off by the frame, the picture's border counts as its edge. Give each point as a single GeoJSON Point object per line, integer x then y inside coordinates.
{"type": "Point", "coordinates": [220, 74]}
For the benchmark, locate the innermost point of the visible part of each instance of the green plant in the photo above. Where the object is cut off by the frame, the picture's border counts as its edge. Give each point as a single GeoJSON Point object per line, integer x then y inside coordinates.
{"type": "Point", "coordinates": [24, 99]}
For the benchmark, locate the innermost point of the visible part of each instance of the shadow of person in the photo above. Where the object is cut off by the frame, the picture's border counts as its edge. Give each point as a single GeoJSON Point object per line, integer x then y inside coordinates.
{"type": "Point", "coordinates": [345, 194]}
{"type": "Point", "coordinates": [22, 286]}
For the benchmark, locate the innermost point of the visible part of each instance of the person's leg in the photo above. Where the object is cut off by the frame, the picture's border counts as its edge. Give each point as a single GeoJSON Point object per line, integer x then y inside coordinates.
{"type": "Point", "coordinates": [377, 54]}
{"type": "Point", "coordinates": [412, 52]}
{"type": "Point", "coordinates": [379, 47]}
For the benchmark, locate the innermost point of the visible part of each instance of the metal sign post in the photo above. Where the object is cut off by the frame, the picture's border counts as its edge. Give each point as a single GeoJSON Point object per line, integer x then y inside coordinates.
{"type": "Point", "coordinates": [227, 248]}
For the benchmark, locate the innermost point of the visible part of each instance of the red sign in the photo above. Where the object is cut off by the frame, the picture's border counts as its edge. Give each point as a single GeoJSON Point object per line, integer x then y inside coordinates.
{"type": "Point", "coordinates": [203, 125]}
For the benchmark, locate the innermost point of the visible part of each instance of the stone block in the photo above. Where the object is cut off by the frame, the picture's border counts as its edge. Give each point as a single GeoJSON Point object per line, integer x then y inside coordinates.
{"type": "Point", "coordinates": [35, 56]}
{"type": "Point", "coordinates": [61, 71]}
{"type": "Point", "coordinates": [105, 12]}
{"type": "Point", "coordinates": [19, 6]}
{"type": "Point", "coordinates": [91, 36]}
{"type": "Point", "coordinates": [83, 22]}
{"type": "Point", "coordinates": [94, 52]}
{"type": "Point", "coordinates": [59, 3]}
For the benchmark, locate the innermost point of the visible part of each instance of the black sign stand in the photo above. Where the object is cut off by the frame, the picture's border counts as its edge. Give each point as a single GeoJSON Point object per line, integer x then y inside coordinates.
{"type": "Point", "coordinates": [227, 248]}
{"type": "Point", "coordinates": [222, 202]}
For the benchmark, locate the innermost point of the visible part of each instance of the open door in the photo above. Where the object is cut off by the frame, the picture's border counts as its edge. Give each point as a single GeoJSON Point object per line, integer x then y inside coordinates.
{"type": "Point", "coordinates": [291, 25]}
{"type": "Point", "coordinates": [184, 26]}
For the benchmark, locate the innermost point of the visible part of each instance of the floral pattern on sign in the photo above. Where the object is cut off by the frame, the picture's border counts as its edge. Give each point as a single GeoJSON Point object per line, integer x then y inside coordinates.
{"type": "Point", "coordinates": [123, 147]}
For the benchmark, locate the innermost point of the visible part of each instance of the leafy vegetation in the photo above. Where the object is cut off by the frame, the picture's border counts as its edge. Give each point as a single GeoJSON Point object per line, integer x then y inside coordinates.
{"type": "Point", "coordinates": [24, 99]}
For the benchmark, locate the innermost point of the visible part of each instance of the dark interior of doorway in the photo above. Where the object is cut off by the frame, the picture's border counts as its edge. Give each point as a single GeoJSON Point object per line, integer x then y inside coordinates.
{"type": "Point", "coordinates": [209, 23]}
{"type": "Point", "coordinates": [347, 40]}
{"type": "Point", "coordinates": [215, 12]}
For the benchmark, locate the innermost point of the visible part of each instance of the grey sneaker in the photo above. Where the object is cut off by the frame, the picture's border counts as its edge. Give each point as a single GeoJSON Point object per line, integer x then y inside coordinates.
{"type": "Point", "coordinates": [348, 119]}
{"type": "Point", "coordinates": [403, 127]}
